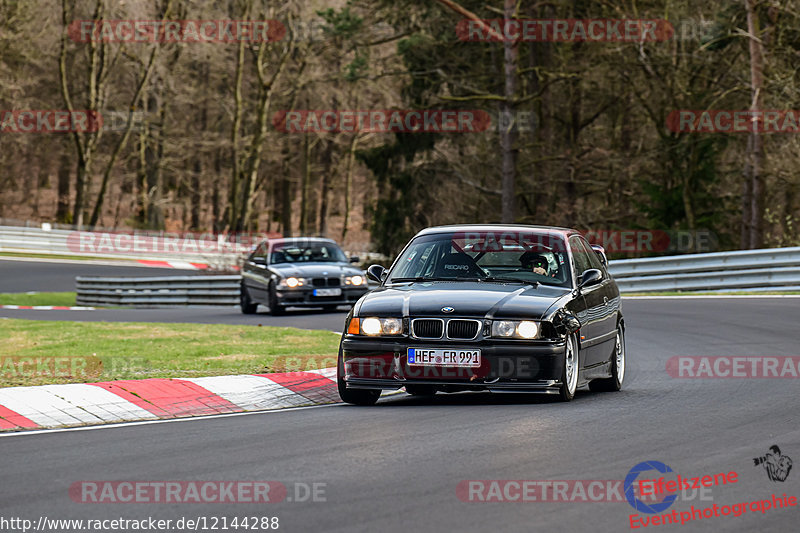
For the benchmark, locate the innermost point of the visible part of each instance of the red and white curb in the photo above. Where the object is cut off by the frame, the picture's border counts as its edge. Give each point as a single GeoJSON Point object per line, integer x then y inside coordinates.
{"type": "Point", "coordinates": [48, 307]}
{"type": "Point", "coordinates": [115, 261]}
{"type": "Point", "coordinates": [183, 265]}
{"type": "Point", "coordinates": [79, 404]}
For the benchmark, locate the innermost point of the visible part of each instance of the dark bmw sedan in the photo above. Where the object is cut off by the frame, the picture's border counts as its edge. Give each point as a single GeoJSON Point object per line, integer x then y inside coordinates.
{"type": "Point", "coordinates": [300, 272]}
{"type": "Point", "coordinates": [494, 308]}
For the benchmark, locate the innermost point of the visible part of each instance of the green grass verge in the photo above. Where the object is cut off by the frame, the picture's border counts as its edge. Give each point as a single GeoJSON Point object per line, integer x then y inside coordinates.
{"type": "Point", "coordinates": [37, 352]}
{"type": "Point", "coordinates": [37, 298]}
{"type": "Point", "coordinates": [678, 293]}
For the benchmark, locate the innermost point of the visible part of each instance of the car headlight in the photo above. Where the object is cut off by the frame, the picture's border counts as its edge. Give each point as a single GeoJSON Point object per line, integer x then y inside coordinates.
{"type": "Point", "coordinates": [355, 281]}
{"type": "Point", "coordinates": [520, 329]}
{"type": "Point", "coordinates": [374, 326]}
{"type": "Point", "coordinates": [527, 329]}
{"type": "Point", "coordinates": [292, 282]}
{"type": "Point", "coordinates": [503, 328]}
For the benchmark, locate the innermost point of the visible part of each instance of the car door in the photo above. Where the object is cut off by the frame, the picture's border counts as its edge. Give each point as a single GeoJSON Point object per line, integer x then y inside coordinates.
{"type": "Point", "coordinates": [255, 274]}
{"type": "Point", "coordinates": [592, 328]}
{"type": "Point", "coordinates": [603, 302]}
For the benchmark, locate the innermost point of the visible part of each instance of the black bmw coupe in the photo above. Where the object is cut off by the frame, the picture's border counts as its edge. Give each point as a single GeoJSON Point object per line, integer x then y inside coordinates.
{"type": "Point", "coordinates": [501, 308]}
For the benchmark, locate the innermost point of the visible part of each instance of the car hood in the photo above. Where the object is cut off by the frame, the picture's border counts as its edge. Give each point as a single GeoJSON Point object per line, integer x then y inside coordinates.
{"type": "Point", "coordinates": [315, 270]}
{"type": "Point", "coordinates": [468, 299]}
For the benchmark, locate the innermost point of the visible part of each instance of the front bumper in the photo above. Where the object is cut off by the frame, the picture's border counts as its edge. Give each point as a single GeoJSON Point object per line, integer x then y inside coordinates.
{"type": "Point", "coordinates": [506, 365]}
{"type": "Point", "coordinates": [304, 297]}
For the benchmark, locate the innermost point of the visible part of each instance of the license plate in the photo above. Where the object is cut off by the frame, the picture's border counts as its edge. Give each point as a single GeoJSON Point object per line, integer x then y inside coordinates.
{"type": "Point", "coordinates": [327, 292]}
{"type": "Point", "coordinates": [444, 357]}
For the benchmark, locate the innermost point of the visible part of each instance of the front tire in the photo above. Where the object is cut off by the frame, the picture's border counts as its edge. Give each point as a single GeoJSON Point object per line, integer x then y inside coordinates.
{"type": "Point", "coordinates": [248, 306]}
{"type": "Point", "coordinates": [364, 397]}
{"type": "Point", "coordinates": [614, 383]}
{"type": "Point", "coordinates": [569, 373]}
{"type": "Point", "coordinates": [275, 309]}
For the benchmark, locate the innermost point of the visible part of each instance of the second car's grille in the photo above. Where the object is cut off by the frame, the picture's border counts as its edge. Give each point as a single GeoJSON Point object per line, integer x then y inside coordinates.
{"type": "Point", "coordinates": [462, 329]}
{"type": "Point", "coordinates": [326, 282]}
{"type": "Point", "coordinates": [428, 328]}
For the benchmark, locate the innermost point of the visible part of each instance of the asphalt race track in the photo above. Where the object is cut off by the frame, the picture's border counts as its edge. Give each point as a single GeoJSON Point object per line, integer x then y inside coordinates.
{"type": "Point", "coordinates": [48, 276]}
{"type": "Point", "coordinates": [396, 466]}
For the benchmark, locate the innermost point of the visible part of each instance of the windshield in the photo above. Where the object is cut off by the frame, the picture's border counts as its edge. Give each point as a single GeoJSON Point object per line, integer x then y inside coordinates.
{"type": "Point", "coordinates": [306, 252]}
{"type": "Point", "coordinates": [525, 256]}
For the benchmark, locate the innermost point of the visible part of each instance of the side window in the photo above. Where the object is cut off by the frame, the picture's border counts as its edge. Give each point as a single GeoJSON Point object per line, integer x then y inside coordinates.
{"type": "Point", "coordinates": [418, 263]}
{"type": "Point", "coordinates": [580, 256]}
{"type": "Point", "coordinates": [594, 261]}
{"type": "Point", "coordinates": [261, 251]}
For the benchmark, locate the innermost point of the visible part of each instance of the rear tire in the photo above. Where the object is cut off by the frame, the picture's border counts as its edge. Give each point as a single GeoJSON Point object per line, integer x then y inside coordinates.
{"type": "Point", "coordinates": [569, 372]}
{"type": "Point", "coordinates": [421, 390]}
{"type": "Point", "coordinates": [614, 383]}
{"type": "Point", "coordinates": [364, 397]}
{"type": "Point", "coordinates": [248, 306]}
{"type": "Point", "coordinates": [275, 309]}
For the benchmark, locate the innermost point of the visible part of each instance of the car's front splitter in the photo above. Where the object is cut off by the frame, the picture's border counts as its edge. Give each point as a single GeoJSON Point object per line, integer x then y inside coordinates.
{"type": "Point", "coordinates": [306, 298]}
{"type": "Point", "coordinates": [539, 387]}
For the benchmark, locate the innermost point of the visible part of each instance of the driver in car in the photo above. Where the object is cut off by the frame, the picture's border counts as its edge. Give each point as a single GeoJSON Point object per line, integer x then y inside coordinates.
{"type": "Point", "coordinates": [535, 262]}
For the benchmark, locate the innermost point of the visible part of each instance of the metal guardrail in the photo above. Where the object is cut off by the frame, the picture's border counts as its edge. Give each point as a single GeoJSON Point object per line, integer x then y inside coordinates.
{"type": "Point", "coordinates": [165, 291]}
{"type": "Point", "coordinates": [752, 270]}
{"type": "Point", "coordinates": [169, 291]}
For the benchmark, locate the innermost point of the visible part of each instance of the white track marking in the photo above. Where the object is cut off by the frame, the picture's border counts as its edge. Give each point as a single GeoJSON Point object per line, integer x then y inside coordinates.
{"type": "Point", "coordinates": [159, 421]}
{"type": "Point", "coordinates": [46, 308]}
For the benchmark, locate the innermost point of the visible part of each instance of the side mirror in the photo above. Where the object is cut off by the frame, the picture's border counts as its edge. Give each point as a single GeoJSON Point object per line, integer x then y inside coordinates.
{"type": "Point", "coordinates": [355, 259]}
{"type": "Point", "coordinates": [259, 260]}
{"type": "Point", "coordinates": [376, 273]}
{"type": "Point", "coordinates": [589, 278]}
{"type": "Point", "coordinates": [601, 253]}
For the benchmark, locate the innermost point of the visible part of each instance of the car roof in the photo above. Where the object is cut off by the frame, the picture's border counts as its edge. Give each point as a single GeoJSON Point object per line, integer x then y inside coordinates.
{"type": "Point", "coordinates": [566, 232]}
{"type": "Point", "coordinates": [285, 240]}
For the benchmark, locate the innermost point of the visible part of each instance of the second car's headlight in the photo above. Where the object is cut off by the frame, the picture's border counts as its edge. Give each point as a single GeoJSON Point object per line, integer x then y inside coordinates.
{"type": "Point", "coordinates": [520, 329]}
{"type": "Point", "coordinates": [356, 281]}
{"type": "Point", "coordinates": [373, 326]}
{"type": "Point", "coordinates": [292, 282]}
